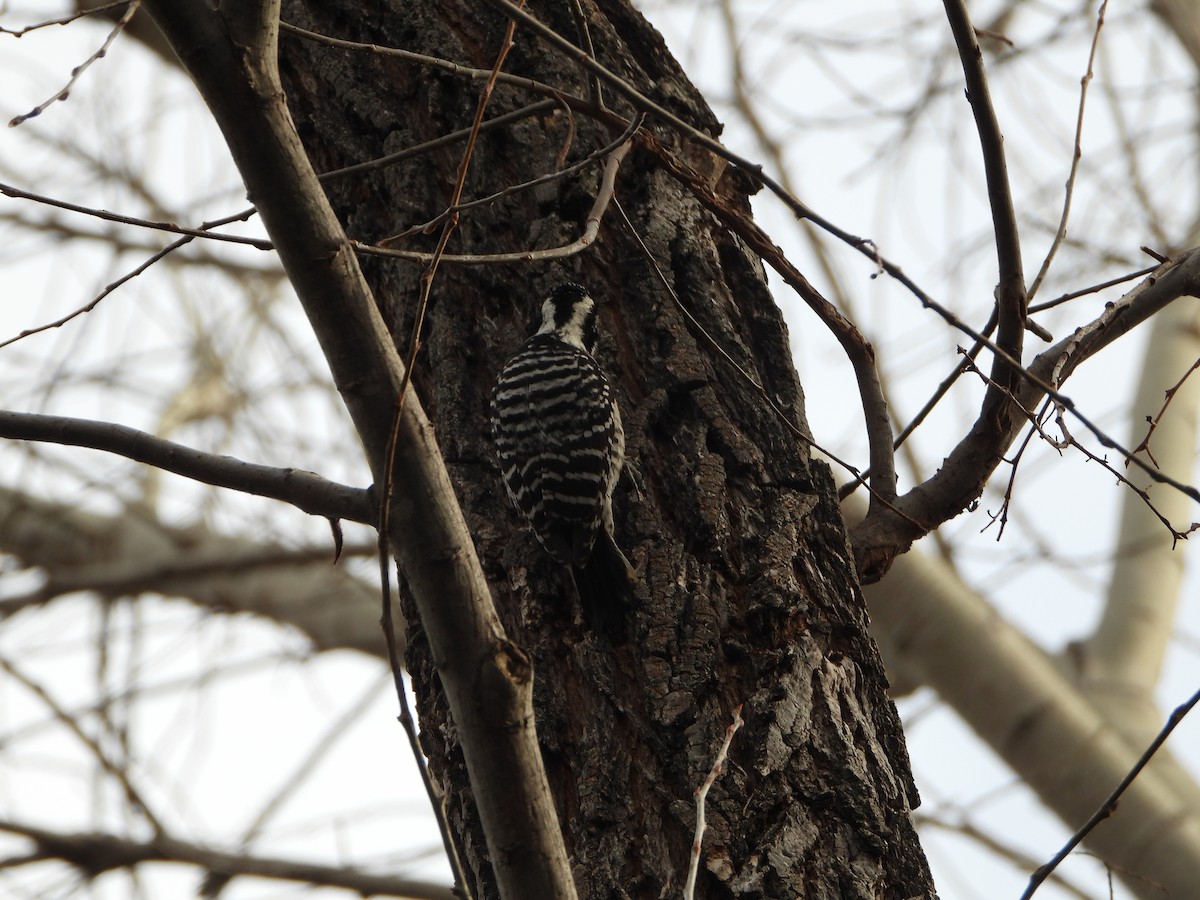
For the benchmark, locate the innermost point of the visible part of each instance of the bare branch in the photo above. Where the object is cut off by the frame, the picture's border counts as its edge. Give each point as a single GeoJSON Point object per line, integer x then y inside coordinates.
{"type": "Point", "coordinates": [1076, 155]}
{"type": "Point", "coordinates": [67, 19]}
{"type": "Point", "coordinates": [590, 230]}
{"type": "Point", "coordinates": [967, 363]}
{"type": "Point", "coordinates": [1110, 804]}
{"type": "Point", "coordinates": [529, 84]}
{"type": "Point", "coordinates": [878, 538]}
{"type": "Point", "coordinates": [95, 301]}
{"type": "Point", "coordinates": [78, 71]}
{"type": "Point", "coordinates": [159, 255]}
{"type": "Point", "coordinates": [714, 773]}
{"type": "Point", "coordinates": [1095, 288]}
{"type": "Point", "coordinates": [453, 137]}
{"type": "Point", "coordinates": [1156, 420]}
{"type": "Point", "coordinates": [119, 775]}
{"type": "Point", "coordinates": [1010, 289]}
{"type": "Point", "coordinates": [549, 177]}
{"type": "Point", "coordinates": [19, 194]}
{"type": "Point", "coordinates": [856, 347]}
{"type": "Point", "coordinates": [95, 853]}
{"type": "Point", "coordinates": [304, 490]}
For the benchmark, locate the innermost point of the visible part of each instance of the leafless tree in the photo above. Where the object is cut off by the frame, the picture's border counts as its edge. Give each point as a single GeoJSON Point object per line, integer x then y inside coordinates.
{"type": "Point", "coordinates": [422, 175]}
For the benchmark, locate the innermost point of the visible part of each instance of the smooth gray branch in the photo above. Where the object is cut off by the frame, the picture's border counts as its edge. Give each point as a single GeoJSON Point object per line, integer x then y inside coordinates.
{"type": "Point", "coordinates": [306, 491]}
{"type": "Point", "coordinates": [488, 682]}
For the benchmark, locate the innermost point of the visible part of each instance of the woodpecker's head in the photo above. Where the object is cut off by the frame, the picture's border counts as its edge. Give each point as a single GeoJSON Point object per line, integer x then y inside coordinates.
{"type": "Point", "coordinates": [570, 315]}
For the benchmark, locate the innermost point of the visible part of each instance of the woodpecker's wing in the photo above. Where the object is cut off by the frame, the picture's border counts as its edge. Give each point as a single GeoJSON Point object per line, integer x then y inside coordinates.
{"type": "Point", "coordinates": [553, 421]}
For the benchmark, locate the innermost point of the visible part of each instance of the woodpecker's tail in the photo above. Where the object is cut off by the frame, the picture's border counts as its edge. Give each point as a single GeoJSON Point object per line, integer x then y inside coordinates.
{"type": "Point", "coordinates": [605, 585]}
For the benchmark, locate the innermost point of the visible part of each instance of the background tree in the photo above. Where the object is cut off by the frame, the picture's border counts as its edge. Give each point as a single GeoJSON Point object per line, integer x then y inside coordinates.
{"type": "Point", "coordinates": [732, 453]}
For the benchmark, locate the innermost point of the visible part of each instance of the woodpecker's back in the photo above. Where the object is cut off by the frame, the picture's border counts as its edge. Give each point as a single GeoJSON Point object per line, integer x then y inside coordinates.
{"type": "Point", "coordinates": [558, 434]}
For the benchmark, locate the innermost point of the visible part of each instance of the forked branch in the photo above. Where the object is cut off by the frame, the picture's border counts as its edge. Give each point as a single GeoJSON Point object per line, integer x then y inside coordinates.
{"type": "Point", "coordinates": [881, 537]}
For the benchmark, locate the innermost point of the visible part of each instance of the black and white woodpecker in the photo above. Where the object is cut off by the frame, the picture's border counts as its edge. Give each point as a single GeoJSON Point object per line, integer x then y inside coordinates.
{"type": "Point", "coordinates": [558, 434]}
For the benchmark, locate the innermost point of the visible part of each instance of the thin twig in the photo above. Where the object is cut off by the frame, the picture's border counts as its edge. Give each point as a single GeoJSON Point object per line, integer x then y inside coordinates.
{"type": "Point", "coordinates": [121, 243]}
{"type": "Point", "coordinates": [1095, 288]}
{"type": "Point", "coordinates": [1176, 534]}
{"type": "Point", "coordinates": [591, 230]}
{"type": "Point", "coordinates": [65, 20]}
{"type": "Point", "coordinates": [1066, 358]}
{"type": "Point", "coordinates": [595, 88]}
{"type": "Point", "coordinates": [718, 766]}
{"type": "Point", "coordinates": [205, 229]}
{"type": "Point", "coordinates": [529, 84]}
{"type": "Point", "coordinates": [944, 387]}
{"type": "Point", "coordinates": [1076, 156]}
{"type": "Point", "coordinates": [988, 841]}
{"type": "Point", "coordinates": [78, 71]}
{"type": "Point", "coordinates": [960, 480]}
{"type": "Point", "coordinates": [19, 194]}
{"type": "Point", "coordinates": [449, 224]}
{"type": "Point", "coordinates": [523, 186]}
{"type": "Point", "coordinates": [1170, 395]}
{"type": "Point", "coordinates": [129, 276]}
{"type": "Point", "coordinates": [1065, 403]}
{"type": "Point", "coordinates": [453, 137]}
{"type": "Point", "coordinates": [108, 289]}
{"type": "Point", "coordinates": [1001, 515]}
{"type": "Point", "coordinates": [692, 133]}
{"type": "Point", "coordinates": [132, 795]}
{"type": "Point", "coordinates": [1110, 804]}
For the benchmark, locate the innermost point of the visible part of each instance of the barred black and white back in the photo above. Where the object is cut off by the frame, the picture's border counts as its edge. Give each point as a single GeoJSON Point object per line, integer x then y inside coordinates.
{"type": "Point", "coordinates": [557, 430]}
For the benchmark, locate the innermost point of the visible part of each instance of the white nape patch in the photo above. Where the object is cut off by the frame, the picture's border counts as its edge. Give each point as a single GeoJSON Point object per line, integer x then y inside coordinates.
{"type": "Point", "coordinates": [571, 331]}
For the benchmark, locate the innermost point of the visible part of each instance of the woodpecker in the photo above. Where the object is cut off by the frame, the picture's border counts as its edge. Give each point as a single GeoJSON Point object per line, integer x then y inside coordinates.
{"type": "Point", "coordinates": [557, 431]}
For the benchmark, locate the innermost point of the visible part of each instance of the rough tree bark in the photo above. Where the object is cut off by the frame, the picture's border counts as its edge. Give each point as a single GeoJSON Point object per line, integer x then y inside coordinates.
{"type": "Point", "coordinates": [747, 594]}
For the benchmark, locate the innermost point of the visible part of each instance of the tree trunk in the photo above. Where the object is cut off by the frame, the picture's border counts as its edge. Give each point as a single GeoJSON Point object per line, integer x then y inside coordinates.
{"type": "Point", "coordinates": [747, 592]}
